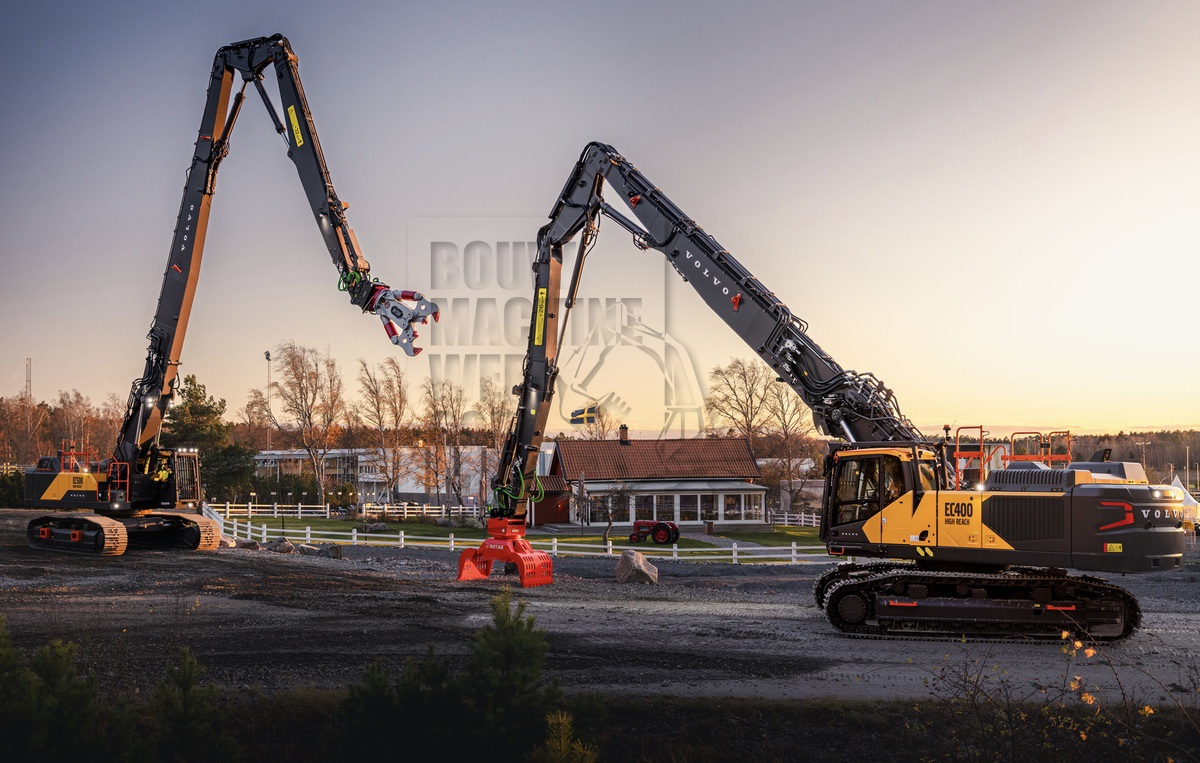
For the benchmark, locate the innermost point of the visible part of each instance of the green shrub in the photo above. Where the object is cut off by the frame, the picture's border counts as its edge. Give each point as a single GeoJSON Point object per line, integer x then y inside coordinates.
{"type": "Point", "coordinates": [561, 746]}
{"type": "Point", "coordinates": [12, 490]}
{"type": "Point", "coordinates": [190, 717]}
{"type": "Point", "coordinates": [55, 709]}
{"type": "Point", "coordinates": [503, 679]}
{"type": "Point", "coordinates": [431, 700]}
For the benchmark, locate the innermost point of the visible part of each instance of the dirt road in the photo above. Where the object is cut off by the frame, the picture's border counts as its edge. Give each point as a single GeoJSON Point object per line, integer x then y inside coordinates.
{"type": "Point", "coordinates": [257, 618]}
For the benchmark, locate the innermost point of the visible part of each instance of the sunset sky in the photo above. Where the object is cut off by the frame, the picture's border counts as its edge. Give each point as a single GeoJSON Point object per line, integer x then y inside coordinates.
{"type": "Point", "coordinates": [994, 207]}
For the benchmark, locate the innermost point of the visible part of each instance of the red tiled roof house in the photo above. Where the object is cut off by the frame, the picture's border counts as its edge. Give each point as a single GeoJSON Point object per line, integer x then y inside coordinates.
{"type": "Point", "coordinates": [686, 481]}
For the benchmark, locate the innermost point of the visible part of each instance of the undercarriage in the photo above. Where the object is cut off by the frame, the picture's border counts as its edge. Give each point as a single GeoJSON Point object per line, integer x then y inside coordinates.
{"type": "Point", "coordinates": [98, 535]}
{"type": "Point", "coordinates": [898, 599]}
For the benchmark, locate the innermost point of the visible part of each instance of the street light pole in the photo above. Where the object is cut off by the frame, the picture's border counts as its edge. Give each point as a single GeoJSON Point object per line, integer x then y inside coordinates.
{"type": "Point", "coordinates": [267, 355]}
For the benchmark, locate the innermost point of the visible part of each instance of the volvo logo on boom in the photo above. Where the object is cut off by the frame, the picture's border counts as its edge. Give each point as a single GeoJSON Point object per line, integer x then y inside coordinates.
{"type": "Point", "coordinates": [696, 263]}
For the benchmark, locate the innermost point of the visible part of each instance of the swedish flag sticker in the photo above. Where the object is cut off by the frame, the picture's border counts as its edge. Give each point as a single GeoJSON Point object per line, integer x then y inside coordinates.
{"type": "Point", "coordinates": [586, 415]}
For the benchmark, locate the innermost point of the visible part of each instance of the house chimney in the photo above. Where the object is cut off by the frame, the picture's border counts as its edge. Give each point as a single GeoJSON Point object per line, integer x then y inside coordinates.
{"type": "Point", "coordinates": [624, 430]}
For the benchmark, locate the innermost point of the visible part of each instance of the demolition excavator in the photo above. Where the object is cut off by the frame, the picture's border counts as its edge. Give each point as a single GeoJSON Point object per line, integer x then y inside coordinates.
{"type": "Point", "coordinates": [146, 494]}
{"type": "Point", "coordinates": [986, 556]}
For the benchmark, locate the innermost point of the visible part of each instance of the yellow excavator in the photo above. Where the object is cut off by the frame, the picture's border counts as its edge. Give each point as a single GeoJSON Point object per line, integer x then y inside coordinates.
{"type": "Point", "coordinates": [966, 552]}
{"type": "Point", "coordinates": [147, 494]}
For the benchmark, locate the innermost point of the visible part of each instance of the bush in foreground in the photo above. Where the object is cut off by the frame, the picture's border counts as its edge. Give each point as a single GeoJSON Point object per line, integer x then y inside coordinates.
{"type": "Point", "coordinates": [499, 706]}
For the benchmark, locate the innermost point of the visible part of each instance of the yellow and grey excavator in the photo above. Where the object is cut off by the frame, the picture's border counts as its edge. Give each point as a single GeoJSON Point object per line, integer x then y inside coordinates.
{"type": "Point", "coordinates": [981, 557]}
{"type": "Point", "coordinates": [147, 494]}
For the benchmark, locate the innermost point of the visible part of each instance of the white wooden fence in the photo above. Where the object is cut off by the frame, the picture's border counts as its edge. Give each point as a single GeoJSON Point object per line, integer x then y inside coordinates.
{"type": "Point", "coordinates": [406, 511]}
{"type": "Point", "coordinates": [271, 509]}
{"type": "Point", "coordinates": [384, 511]}
{"type": "Point", "coordinates": [804, 519]}
{"type": "Point", "coordinates": [793, 554]}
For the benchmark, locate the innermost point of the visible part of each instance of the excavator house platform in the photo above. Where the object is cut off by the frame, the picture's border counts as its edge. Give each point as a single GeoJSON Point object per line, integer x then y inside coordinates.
{"type": "Point", "coordinates": [506, 543]}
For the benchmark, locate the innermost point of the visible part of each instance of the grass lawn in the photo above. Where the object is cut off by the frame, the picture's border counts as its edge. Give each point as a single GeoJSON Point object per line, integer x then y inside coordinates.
{"type": "Point", "coordinates": [780, 536]}
{"type": "Point", "coordinates": [619, 540]}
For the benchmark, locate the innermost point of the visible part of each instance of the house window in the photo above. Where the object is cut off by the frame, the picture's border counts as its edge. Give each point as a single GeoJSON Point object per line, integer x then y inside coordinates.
{"type": "Point", "coordinates": [643, 507]}
{"type": "Point", "coordinates": [754, 507]}
{"type": "Point", "coordinates": [708, 507]}
{"type": "Point", "coordinates": [733, 506]}
{"type": "Point", "coordinates": [665, 508]}
{"type": "Point", "coordinates": [597, 509]}
{"type": "Point", "coordinates": [689, 508]}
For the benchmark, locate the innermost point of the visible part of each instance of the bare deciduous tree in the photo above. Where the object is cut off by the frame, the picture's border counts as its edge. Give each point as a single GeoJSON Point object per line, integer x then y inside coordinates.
{"type": "Point", "coordinates": [737, 397]}
{"type": "Point", "coordinates": [790, 423]}
{"type": "Point", "coordinates": [385, 412]}
{"type": "Point", "coordinates": [253, 422]}
{"type": "Point", "coordinates": [27, 432]}
{"type": "Point", "coordinates": [109, 418]}
{"type": "Point", "coordinates": [443, 416]}
{"type": "Point", "coordinates": [495, 411]}
{"type": "Point", "coordinates": [603, 424]}
{"type": "Point", "coordinates": [311, 402]}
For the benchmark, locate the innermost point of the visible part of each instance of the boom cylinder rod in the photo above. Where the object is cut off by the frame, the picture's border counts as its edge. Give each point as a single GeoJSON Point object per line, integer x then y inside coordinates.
{"type": "Point", "coordinates": [266, 99]}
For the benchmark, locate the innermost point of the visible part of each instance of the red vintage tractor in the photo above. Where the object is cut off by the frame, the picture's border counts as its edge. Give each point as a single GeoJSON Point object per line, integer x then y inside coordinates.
{"type": "Point", "coordinates": [660, 532]}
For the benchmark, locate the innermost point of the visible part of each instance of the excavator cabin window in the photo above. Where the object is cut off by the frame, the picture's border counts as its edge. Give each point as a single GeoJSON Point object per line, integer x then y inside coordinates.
{"type": "Point", "coordinates": [864, 485]}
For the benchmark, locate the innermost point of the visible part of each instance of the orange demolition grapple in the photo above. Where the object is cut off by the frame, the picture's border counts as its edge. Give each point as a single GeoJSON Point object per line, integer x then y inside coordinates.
{"type": "Point", "coordinates": [506, 543]}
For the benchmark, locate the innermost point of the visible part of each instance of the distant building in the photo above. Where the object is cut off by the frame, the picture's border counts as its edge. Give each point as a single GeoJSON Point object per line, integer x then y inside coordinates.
{"type": "Point", "coordinates": [685, 481]}
{"type": "Point", "coordinates": [360, 467]}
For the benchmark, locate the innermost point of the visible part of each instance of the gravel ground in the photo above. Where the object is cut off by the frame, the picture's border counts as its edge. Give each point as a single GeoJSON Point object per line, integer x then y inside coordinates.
{"type": "Point", "coordinates": [257, 618]}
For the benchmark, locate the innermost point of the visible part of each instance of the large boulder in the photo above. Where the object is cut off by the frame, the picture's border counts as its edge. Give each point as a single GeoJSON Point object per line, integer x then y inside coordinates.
{"type": "Point", "coordinates": [332, 551]}
{"type": "Point", "coordinates": [375, 527]}
{"type": "Point", "coordinates": [632, 567]}
{"type": "Point", "coordinates": [306, 550]}
{"type": "Point", "coordinates": [249, 545]}
{"type": "Point", "coordinates": [281, 546]}
{"type": "Point", "coordinates": [226, 542]}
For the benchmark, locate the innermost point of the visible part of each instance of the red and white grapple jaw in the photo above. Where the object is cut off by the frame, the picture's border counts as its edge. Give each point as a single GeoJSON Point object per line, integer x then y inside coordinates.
{"type": "Point", "coordinates": [398, 318]}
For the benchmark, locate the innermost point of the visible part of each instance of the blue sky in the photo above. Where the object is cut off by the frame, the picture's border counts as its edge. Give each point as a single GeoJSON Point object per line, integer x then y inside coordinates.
{"type": "Point", "coordinates": [992, 206]}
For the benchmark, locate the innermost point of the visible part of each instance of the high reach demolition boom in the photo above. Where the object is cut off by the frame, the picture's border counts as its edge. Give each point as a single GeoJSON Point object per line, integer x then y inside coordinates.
{"type": "Point", "coordinates": [135, 492]}
{"type": "Point", "coordinates": [251, 60]}
{"type": "Point", "coordinates": [852, 406]}
{"type": "Point", "coordinates": [845, 404]}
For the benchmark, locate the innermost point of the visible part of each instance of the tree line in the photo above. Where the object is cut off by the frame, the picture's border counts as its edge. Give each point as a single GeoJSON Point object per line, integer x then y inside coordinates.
{"type": "Point", "coordinates": [427, 435]}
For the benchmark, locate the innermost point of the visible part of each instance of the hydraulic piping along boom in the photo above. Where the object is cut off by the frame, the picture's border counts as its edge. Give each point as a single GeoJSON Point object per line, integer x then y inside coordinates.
{"type": "Point", "coordinates": [846, 404]}
{"type": "Point", "coordinates": [252, 60]}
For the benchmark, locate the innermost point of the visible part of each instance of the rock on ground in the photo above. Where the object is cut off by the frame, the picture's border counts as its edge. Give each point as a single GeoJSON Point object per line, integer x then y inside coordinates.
{"type": "Point", "coordinates": [332, 552]}
{"type": "Point", "coordinates": [375, 527]}
{"type": "Point", "coordinates": [632, 567]}
{"type": "Point", "coordinates": [249, 545]}
{"type": "Point", "coordinates": [226, 542]}
{"type": "Point", "coordinates": [306, 550]}
{"type": "Point", "coordinates": [281, 546]}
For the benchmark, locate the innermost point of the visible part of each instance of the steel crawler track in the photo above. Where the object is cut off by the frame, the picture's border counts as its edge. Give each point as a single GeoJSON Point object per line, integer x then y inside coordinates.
{"type": "Point", "coordinates": [902, 600]}
{"type": "Point", "coordinates": [94, 535]}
